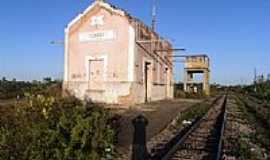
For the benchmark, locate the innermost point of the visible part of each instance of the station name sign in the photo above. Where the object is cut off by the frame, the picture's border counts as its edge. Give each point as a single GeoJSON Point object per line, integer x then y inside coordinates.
{"type": "Point", "coordinates": [97, 36]}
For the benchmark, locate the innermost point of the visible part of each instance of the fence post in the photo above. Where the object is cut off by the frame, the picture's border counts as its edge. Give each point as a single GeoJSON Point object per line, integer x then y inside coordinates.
{"type": "Point", "coordinates": [139, 149]}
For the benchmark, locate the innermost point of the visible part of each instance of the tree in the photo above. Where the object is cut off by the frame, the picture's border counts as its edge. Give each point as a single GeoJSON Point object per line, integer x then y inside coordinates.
{"type": "Point", "coordinates": [4, 79]}
{"type": "Point", "coordinates": [47, 80]}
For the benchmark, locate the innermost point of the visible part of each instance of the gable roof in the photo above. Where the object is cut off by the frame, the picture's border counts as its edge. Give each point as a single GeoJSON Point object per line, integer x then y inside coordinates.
{"type": "Point", "coordinates": [116, 10]}
{"type": "Point", "coordinates": [94, 4]}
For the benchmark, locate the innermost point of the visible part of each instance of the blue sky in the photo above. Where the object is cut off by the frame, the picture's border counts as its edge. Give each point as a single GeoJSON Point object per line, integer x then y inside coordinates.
{"type": "Point", "coordinates": [234, 33]}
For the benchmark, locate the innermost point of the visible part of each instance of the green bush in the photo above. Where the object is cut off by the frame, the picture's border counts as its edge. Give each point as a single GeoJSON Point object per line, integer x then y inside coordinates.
{"type": "Point", "coordinates": [45, 128]}
{"type": "Point", "coordinates": [14, 89]}
{"type": "Point", "coordinates": [259, 90]}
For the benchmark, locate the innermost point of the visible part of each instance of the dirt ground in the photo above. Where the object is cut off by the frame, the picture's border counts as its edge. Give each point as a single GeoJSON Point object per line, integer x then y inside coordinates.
{"type": "Point", "coordinates": [159, 115]}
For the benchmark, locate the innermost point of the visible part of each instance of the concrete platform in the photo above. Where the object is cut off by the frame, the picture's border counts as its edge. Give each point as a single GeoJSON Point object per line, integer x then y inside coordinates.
{"type": "Point", "coordinates": [159, 114]}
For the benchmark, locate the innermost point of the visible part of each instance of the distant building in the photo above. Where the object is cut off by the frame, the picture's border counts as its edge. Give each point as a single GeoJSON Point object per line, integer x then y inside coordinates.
{"type": "Point", "coordinates": [197, 64]}
{"type": "Point", "coordinates": [112, 57]}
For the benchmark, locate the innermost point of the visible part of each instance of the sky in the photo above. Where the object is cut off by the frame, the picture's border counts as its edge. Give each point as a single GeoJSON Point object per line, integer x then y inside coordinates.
{"type": "Point", "coordinates": [234, 33]}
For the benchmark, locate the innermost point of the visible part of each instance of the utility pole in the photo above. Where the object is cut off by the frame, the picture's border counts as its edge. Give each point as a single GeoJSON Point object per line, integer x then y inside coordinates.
{"type": "Point", "coordinates": [255, 80]}
{"type": "Point", "coordinates": [255, 75]}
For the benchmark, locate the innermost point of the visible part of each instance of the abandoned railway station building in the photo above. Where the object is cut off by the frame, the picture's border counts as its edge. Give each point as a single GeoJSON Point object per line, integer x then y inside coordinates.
{"type": "Point", "coordinates": [112, 57]}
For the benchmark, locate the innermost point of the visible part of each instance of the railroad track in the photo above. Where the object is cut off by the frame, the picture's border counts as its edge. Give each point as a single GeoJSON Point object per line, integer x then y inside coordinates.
{"type": "Point", "coordinates": [232, 132]}
{"type": "Point", "coordinates": [202, 140]}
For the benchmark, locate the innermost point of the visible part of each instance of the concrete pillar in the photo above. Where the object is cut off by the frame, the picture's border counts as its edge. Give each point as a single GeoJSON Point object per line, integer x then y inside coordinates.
{"type": "Point", "coordinates": [185, 80]}
{"type": "Point", "coordinates": [206, 85]}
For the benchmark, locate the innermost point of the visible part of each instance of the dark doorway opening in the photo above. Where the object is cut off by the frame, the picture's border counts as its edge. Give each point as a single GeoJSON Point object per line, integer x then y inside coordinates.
{"type": "Point", "coordinates": [146, 77]}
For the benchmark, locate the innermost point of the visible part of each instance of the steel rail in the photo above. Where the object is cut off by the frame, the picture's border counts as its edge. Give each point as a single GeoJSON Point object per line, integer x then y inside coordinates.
{"type": "Point", "coordinates": [221, 134]}
{"type": "Point", "coordinates": [194, 126]}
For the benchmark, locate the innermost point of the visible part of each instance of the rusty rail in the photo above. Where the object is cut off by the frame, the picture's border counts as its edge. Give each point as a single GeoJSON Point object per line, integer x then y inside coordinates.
{"type": "Point", "coordinates": [182, 137]}
{"type": "Point", "coordinates": [221, 134]}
